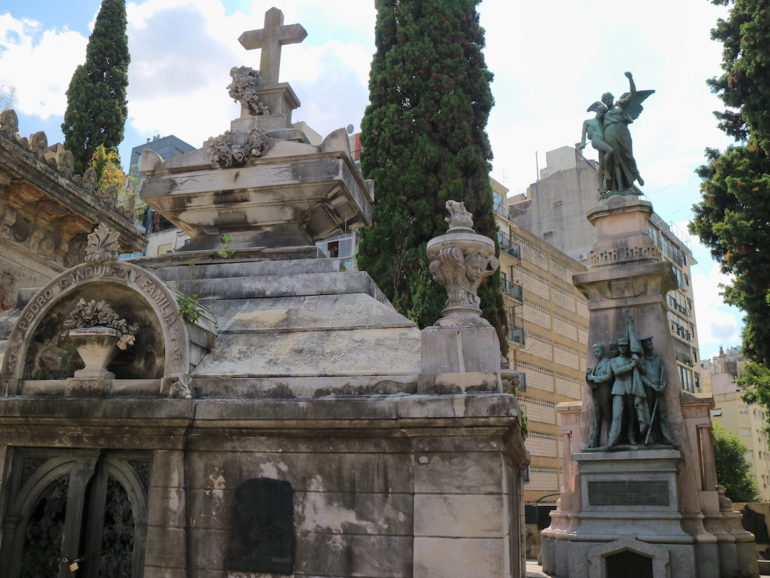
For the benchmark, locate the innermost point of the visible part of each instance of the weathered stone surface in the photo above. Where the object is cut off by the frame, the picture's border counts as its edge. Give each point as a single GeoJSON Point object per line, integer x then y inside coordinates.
{"type": "Point", "coordinates": [280, 286]}
{"type": "Point", "coordinates": [207, 549]}
{"type": "Point", "coordinates": [319, 312]}
{"type": "Point", "coordinates": [460, 349]}
{"type": "Point", "coordinates": [352, 555]}
{"type": "Point", "coordinates": [168, 270]}
{"type": "Point", "coordinates": [358, 473]}
{"type": "Point", "coordinates": [167, 507]}
{"type": "Point", "coordinates": [324, 512]}
{"type": "Point", "coordinates": [453, 558]}
{"type": "Point", "coordinates": [314, 353]}
{"type": "Point", "coordinates": [166, 547]}
{"type": "Point", "coordinates": [322, 190]}
{"type": "Point", "coordinates": [458, 473]}
{"type": "Point", "coordinates": [303, 387]}
{"type": "Point", "coordinates": [156, 572]}
{"type": "Point", "coordinates": [460, 516]}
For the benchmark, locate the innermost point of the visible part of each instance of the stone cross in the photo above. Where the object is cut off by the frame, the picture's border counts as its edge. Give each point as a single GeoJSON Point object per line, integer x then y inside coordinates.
{"type": "Point", "coordinates": [270, 39]}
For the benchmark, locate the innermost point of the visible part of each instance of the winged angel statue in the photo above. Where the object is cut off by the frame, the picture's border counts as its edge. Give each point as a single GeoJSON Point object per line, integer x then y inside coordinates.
{"type": "Point", "coordinates": [609, 134]}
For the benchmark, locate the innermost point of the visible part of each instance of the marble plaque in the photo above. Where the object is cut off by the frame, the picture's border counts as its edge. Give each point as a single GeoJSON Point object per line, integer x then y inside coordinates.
{"type": "Point", "coordinates": [628, 493]}
{"type": "Point", "coordinates": [262, 532]}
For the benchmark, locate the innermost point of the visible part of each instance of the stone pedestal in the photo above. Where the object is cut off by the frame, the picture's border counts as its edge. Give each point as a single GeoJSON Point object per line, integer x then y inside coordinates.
{"type": "Point", "coordinates": [280, 101]}
{"type": "Point", "coordinates": [653, 511]}
{"type": "Point", "coordinates": [630, 504]}
{"type": "Point", "coordinates": [461, 352]}
{"type": "Point", "coordinates": [456, 359]}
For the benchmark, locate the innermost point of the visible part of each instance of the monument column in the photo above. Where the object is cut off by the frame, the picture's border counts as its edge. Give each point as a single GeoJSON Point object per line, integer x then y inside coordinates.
{"type": "Point", "coordinates": [638, 497]}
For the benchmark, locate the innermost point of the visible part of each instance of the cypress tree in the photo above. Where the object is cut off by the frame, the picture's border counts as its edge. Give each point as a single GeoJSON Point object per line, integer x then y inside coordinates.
{"type": "Point", "coordinates": [733, 216]}
{"type": "Point", "coordinates": [96, 97]}
{"type": "Point", "coordinates": [424, 142]}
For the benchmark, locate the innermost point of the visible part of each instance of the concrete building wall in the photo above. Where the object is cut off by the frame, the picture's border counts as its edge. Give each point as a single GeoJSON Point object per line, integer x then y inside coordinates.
{"type": "Point", "coordinates": [548, 321]}
{"type": "Point", "coordinates": [748, 421]}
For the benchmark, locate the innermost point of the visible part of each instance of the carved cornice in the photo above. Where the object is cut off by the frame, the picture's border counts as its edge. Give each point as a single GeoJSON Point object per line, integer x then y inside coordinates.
{"type": "Point", "coordinates": [29, 183]}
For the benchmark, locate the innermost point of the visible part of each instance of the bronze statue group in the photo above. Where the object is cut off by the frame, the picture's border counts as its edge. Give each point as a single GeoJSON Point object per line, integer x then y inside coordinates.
{"type": "Point", "coordinates": [628, 385]}
{"type": "Point", "coordinates": [609, 134]}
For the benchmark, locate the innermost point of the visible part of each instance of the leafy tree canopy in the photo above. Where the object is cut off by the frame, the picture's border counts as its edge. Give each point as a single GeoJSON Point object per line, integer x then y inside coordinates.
{"type": "Point", "coordinates": [424, 142]}
{"type": "Point", "coordinates": [112, 184]}
{"type": "Point", "coordinates": [733, 470]}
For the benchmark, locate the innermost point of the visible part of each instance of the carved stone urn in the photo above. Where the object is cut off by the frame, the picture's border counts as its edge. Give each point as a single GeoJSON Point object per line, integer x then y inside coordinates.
{"type": "Point", "coordinates": [460, 260]}
{"type": "Point", "coordinates": [97, 347]}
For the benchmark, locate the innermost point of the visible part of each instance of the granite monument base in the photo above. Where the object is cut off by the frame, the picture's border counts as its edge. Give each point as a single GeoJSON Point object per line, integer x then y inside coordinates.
{"type": "Point", "coordinates": [629, 520]}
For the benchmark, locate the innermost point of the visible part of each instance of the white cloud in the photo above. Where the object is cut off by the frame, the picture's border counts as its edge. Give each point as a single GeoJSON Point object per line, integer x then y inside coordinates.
{"type": "Point", "coordinates": [39, 64]}
{"type": "Point", "coordinates": [718, 323]}
{"type": "Point", "coordinates": [182, 52]}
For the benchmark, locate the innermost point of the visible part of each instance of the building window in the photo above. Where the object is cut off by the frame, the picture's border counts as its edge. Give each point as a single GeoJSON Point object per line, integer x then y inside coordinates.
{"type": "Point", "coordinates": [686, 376]}
{"type": "Point", "coordinates": [342, 247]}
{"type": "Point", "coordinates": [164, 248]}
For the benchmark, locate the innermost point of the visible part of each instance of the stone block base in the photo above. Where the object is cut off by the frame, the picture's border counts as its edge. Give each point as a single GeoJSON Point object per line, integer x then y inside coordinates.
{"type": "Point", "coordinates": [460, 350]}
{"type": "Point", "coordinates": [86, 386]}
{"type": "Point", "coordinates": [629, 518]}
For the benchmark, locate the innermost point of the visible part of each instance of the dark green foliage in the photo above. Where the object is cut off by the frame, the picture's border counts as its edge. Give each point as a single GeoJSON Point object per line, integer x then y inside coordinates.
{"type": "Point", "coordinates": [733, 217]}
{"type": "Point", "coordinates": [424, 142]}
{"type": "Point", "coordinates": [96, 97]}
{"type": "Point", "coordinates": [733, 471]}
{"type": "Point", "coordinates": [754, 384]}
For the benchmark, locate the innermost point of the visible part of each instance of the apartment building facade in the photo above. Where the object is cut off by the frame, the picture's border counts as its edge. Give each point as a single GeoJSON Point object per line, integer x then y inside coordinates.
{"type": "Point", "coordinates": [548, 335]}
{"type": "Point", "coordinates": [720, 377]}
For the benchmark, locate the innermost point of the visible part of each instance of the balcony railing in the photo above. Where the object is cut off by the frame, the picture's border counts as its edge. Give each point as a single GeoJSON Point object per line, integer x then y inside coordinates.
{"type": "Point", "coordinates": [517, 335]}
{"type": "Point", "coordinates": [680, 308]}
{"type": "Point", "coordinates": [513, 290]}
{"type": "Point", "coordinates": [512, 249]}
{"type": "Point", "coordinates": [680, 332]}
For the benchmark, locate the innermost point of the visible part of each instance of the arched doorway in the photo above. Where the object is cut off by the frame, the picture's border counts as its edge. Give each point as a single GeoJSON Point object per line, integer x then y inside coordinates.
{"type": "Point", "coordinates": [79, 507]}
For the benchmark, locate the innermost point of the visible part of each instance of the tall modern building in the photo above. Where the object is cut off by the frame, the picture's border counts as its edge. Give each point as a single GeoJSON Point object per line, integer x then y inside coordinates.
{"type": "Point", "coordinates": [554, 209]}
{"type": "Point", "coordinates": [547, 338]}
{"type": "Point", "coordinates": [720, 375]}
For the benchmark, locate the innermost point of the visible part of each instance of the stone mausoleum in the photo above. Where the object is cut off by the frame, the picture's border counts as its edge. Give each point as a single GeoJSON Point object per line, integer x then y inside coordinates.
{"type": "Point", "coordinates": [243, 407]}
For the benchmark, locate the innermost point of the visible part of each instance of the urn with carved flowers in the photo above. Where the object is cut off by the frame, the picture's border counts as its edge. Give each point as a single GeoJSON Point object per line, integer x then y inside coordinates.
{"type": "Point", "coordinates": [459, 261]}
{"type": "Point", "coordinates": [98, 333]}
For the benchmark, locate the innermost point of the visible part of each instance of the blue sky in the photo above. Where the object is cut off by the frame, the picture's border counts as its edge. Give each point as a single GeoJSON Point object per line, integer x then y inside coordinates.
{"type": "Point", "coordinates": [550, 58]}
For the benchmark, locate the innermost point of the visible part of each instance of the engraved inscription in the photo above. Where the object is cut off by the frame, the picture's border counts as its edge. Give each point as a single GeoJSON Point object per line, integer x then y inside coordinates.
{"type": "Point", "coordinates": [628, 493]}
{"type": "Point", "coordinates": [154, 293]}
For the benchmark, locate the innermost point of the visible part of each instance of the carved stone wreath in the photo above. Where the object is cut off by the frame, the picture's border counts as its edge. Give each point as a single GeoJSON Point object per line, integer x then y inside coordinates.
{"type": "Point", "coordinates": [238, 148]}
{"type": "Point", "coordinates": [245, 88]}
